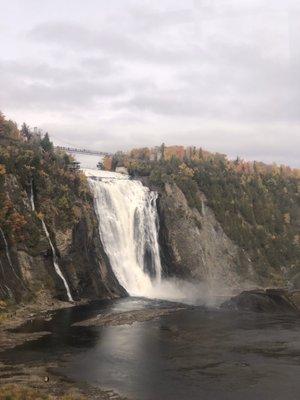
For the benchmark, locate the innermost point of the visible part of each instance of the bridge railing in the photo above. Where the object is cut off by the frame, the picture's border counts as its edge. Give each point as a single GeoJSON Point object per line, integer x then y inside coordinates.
{"type": "Point", "coordinates": [82, 151]}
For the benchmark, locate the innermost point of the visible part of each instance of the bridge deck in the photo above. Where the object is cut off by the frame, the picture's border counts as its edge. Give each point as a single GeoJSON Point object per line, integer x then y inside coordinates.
{"type": "Point", "coordinates": [74, 150]}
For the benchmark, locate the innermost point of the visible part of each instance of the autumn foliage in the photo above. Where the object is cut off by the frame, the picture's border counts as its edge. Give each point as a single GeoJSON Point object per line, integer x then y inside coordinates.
{"type": "Point", "coordinates": [28, 161]}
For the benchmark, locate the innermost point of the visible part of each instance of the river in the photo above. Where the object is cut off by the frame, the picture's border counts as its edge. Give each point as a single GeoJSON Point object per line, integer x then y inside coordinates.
{"type": "Point", "coordinates": [195, 353]}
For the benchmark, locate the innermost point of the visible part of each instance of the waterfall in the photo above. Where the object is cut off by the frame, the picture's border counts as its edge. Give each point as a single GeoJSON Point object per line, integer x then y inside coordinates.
{"type": "Point", "coordinates": [128, 227]}
{"type": "Point", "coordinates": [202, 208]}
{"type": "Point", "coordinates": [4, 288]}
{"type": "Point", "coordinates": [55, 263]}
{"type": "Point", "coordinates": [32, 196]}
{"type": "Point", "coordinates": [54, 255]}
{"type": "Point", "coordinates": [127, 214]}
{"type": "Point", "coordinates": [7, 250]}
{"type": "Point", "coordinates": [9, 258]}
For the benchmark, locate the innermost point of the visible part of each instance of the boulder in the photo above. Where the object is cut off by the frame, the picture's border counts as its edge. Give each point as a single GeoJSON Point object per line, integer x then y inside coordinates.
{"type": "Point", "coordinates": [268, 301]}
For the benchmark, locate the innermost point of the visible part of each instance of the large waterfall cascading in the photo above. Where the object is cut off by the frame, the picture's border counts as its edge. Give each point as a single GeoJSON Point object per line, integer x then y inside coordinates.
{"type": "Point", "coordinates": [128, 228]}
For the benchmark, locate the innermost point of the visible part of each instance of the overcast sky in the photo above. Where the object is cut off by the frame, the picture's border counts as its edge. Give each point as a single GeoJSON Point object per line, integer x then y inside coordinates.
{"type": "Point", "coordinates": [109, 75]}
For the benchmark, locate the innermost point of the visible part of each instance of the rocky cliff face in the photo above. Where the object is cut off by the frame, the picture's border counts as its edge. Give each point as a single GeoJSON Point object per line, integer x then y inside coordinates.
{"type": "Point", "coordinates": [26, 267]}
{"type": "Point", "coordinates": [194, 245]}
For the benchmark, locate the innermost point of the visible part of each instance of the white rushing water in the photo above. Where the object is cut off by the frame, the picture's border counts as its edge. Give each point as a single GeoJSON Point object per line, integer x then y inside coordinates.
{"type": "Point", "coordinates": [32, 197]}
{"type": "Point", "coordinates": [128, 226]}
{"type": "Point", "coordinates": [55, 263]}
{"type": "Point", "coordinates": [9, 257]}
{"type": "Point", "coordinates": [54, 255]}
{"type": "Point", "coordinates": [4, 289]}
{"type": "Point", "coordinates": [127, 216]}
{"type": "Point", "coordinates": [7, 250]}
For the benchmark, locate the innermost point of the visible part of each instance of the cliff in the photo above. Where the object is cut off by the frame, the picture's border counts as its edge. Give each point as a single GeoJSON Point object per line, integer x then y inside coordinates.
{"type": "Point", "coordinates": [194, 245]}
{"type": "Point", "coordinates": [38, 184]}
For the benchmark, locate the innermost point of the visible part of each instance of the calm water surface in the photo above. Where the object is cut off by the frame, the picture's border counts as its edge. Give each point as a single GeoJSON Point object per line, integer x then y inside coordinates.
{"type": "Point", "coordinates": [191, 354]}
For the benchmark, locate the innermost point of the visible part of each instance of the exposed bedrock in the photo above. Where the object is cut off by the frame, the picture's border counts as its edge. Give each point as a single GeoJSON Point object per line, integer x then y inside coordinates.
{"type": "Point", "coordinates": [194, 245]}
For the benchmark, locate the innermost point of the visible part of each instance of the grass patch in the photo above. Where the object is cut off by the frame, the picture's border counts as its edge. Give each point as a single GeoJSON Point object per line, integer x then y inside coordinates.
{"type": "Point", "coordinates": [16, 392]}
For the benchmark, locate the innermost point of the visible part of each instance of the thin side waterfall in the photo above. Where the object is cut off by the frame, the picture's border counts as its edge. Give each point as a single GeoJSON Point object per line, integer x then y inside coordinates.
{"type": "Point", "coordinates": [7, 251]}
{"type": "Point", "coordinates": [9, 258]}
{"type": "Point", "coordinates": [32, 196]}
{"type": "Point", "coordinates": [56, 266]}
{"type": "Point", "coordinates": [202, 208]}
{"type": "Point", "coordinates": [54, 255]}
{"type": "Point", "coordinates": [128, 227]}
{"type": "Point", "coordinates": [4, 288]}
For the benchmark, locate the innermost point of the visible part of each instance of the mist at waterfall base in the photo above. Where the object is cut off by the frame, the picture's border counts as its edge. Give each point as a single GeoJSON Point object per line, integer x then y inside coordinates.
{"type": "Point", "coordinates": [128, 227]}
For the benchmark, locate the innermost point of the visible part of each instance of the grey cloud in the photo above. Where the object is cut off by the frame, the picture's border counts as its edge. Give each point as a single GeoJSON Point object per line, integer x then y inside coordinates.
{"type": "Point", "coordinates": [224, 103]}
{"type": "Point", "coordinates": [231, 87]}
{"type": "Point", "coordinates": [162, 103]}
{"type": "Point", "coordinates": [100, 65]}
{"type": "Point", "coordinates": [150, 20]}
{"type": "Point", "coordinates": [38, 71]}
{"type": "Point", "coordinates": [67, 95]}
{"type": "Point", "coordinates": [44, 86]}
{"type": "Point", "coordinates": [75, 37]}
{"type": "Point", "coordinates": [222, 74]}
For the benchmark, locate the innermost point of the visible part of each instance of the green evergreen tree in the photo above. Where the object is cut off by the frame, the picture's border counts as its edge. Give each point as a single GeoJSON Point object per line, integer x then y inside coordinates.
{"type": "Point", "coordinates": [25, 131]}
{"type": "Point", "coordinates": [46, 143]}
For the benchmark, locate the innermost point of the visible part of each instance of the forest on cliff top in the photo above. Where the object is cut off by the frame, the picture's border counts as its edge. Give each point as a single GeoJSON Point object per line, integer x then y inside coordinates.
{"type": "Point", "coordinates": [29, 161]}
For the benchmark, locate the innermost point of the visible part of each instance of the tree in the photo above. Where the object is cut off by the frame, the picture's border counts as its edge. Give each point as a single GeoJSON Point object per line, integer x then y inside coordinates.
{"type": "Point", "coordinates": [8, 129]}
{"type": "Point", "coordinates": [46, 143]}
{"type": "Point", "coordinates": [2, 124]}
{"type": "Point", "coordinates": [184, 170]}
{"type": "Point", "coordinates": [12, 130]}
{"type": "Point", "coordinates": [162, 150]}
{"type": "Point", "coordinates": [25, 131]}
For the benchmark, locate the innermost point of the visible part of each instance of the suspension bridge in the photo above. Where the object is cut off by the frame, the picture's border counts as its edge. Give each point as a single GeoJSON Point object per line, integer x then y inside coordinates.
{"type": "Point", "coordinates": [75, 150]}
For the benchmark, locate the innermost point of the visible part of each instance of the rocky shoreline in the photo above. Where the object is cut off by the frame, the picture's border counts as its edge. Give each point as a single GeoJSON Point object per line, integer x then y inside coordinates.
{"type": "Point", "coordinates": [42, 380]}
{"type": "Point", "coordinates": [16, 316]}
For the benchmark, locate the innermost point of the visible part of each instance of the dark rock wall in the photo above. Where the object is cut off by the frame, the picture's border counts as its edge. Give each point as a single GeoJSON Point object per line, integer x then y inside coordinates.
{"type": "Point", "coordinates": [195, 247]}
